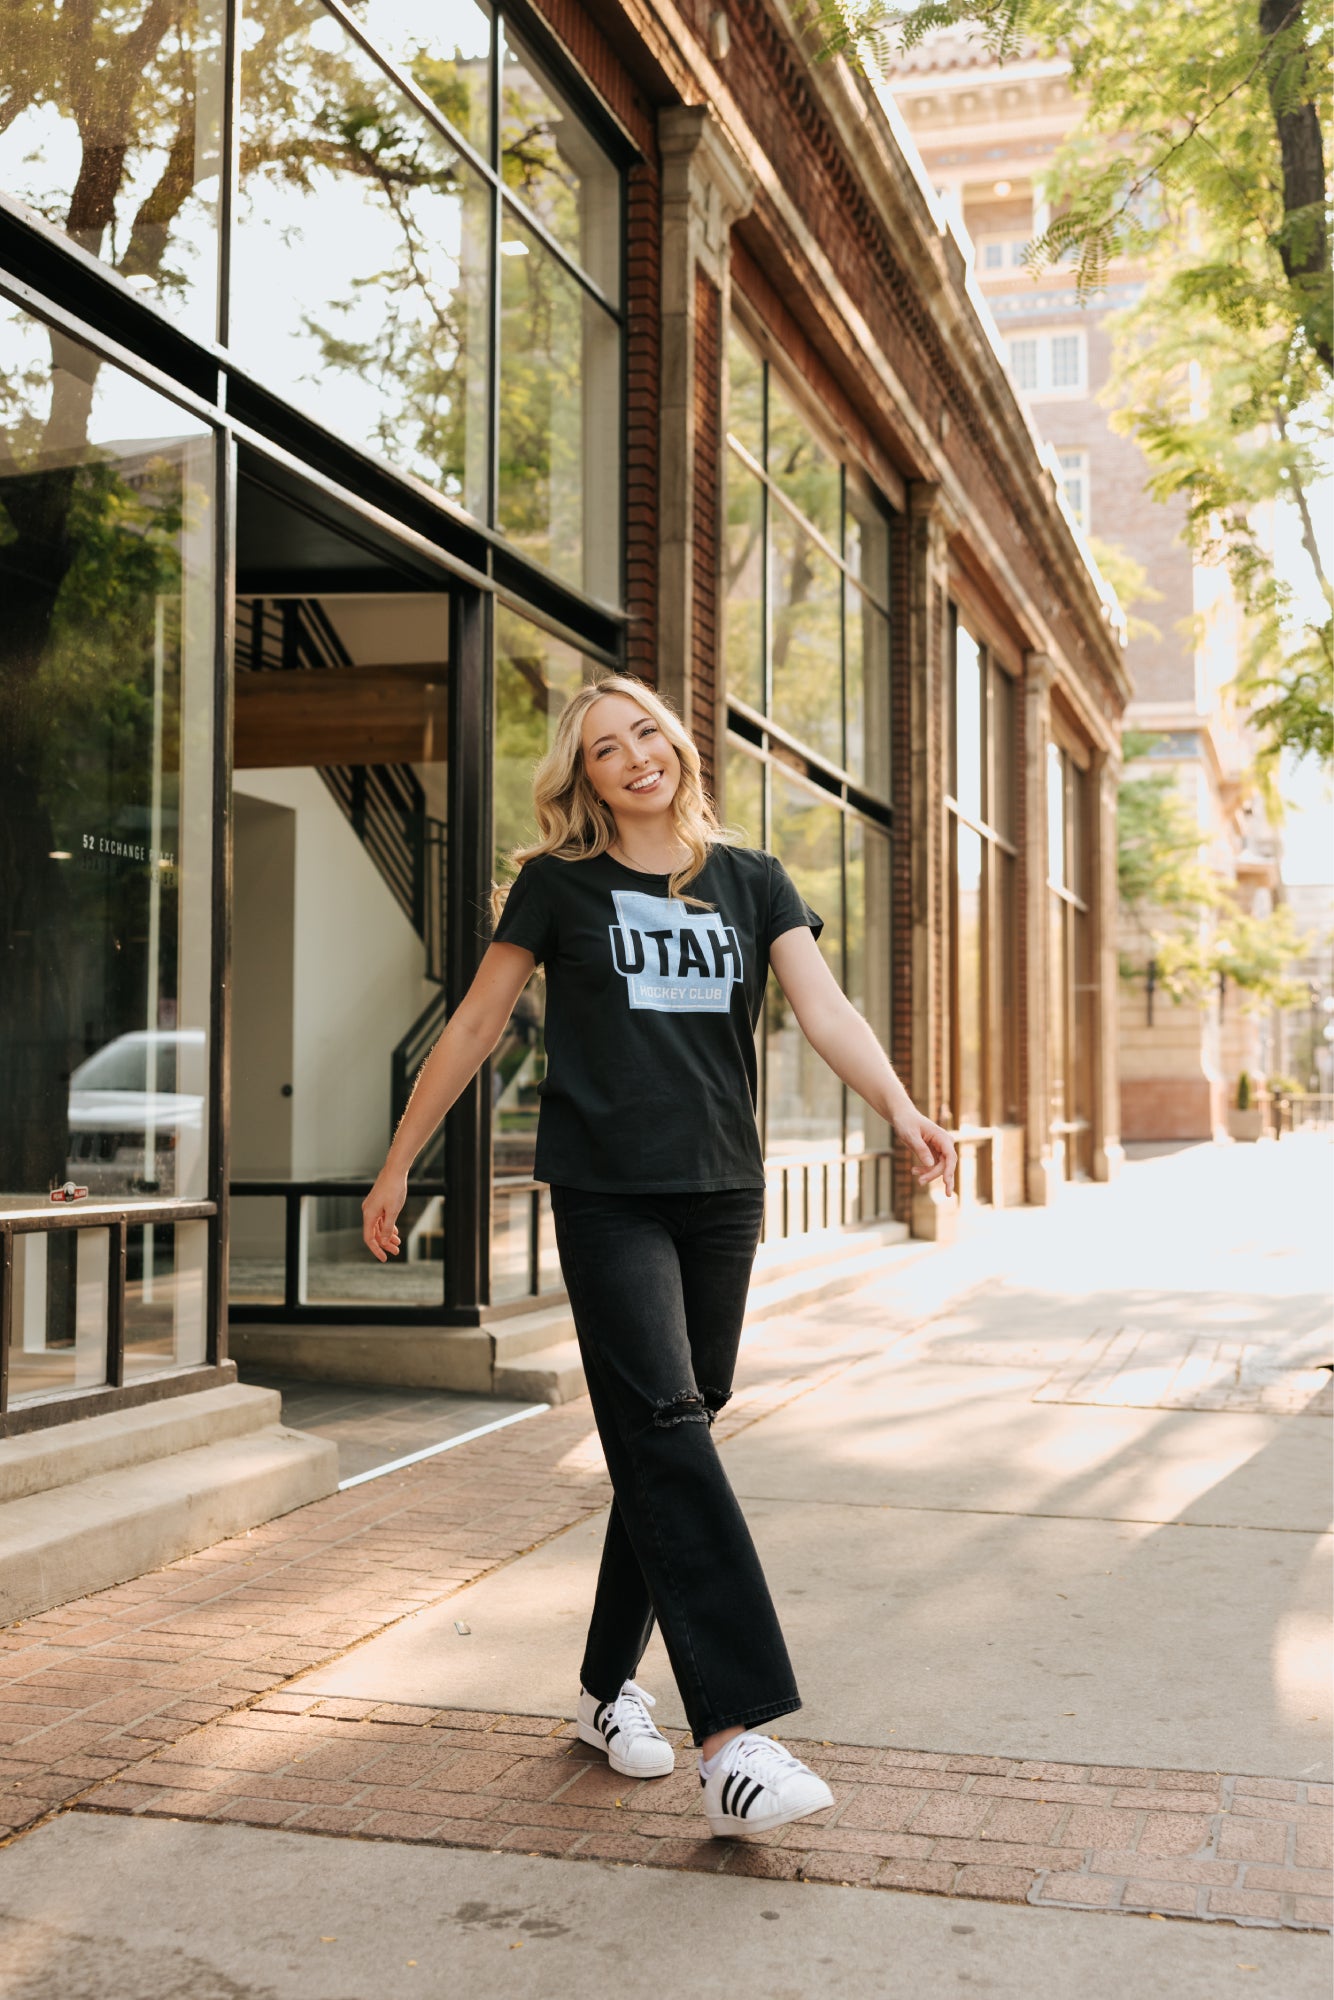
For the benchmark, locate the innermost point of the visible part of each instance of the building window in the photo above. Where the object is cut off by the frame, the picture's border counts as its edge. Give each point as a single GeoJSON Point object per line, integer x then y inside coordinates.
{"type": "Point", "coordinates": [112, 133]}
{"type": "Point", "coordinates": [107, 502]}
{"type": "Point", "coordinates": [983, 1064]}
{"type": "Point", "coordinates": [376, 193]}
{"type": "Point", "coordinates": [1070, 963]}
{"type": "Point", "coordinates": [1046, 364]}
{"type": "Point", "coordinates": [1075, 483]}
{"type": "Point", "coordinates": [1024, 363]}
{"type": "Point", "coordinates": [807, 774]}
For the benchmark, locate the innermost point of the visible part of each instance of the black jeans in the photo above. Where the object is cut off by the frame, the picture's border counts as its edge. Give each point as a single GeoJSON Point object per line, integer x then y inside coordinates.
{"type": "Point", "coordinates": [657, 1285]}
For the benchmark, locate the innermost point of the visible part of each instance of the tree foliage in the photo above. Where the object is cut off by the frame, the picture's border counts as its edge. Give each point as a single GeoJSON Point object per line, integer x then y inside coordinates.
{"type": "Point", "coordinates": [1199, 156]}
{"type": "Point", "coordinates": [1186, 920]}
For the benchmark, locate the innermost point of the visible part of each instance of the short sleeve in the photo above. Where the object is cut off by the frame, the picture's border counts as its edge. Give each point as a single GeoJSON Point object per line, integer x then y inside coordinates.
{"type": "Point", "coordinates": [525, 918]}
{"type": "Point", "coordinates": [788, 910]}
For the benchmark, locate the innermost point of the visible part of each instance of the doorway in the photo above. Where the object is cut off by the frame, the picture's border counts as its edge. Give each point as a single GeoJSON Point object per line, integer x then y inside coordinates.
{"type": "Point", "coordinates": [340, 802]}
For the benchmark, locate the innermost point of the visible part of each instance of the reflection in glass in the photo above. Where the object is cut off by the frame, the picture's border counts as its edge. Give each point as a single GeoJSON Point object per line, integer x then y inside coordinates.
{"type": "Point", "coordinates": [447, 53]}
{"type": "Point", "coordinates": [1058, 1026]}
{"type": "Point", "coordinates": [804, 1098]}
{"type": "Point", "coordinates": [559, 418]}
{"type": "Point", "coordinates": [866, 681]}
{"type": "Point", "coordinates": [1000, 806]}
{"type": "Point", "coordinates": [255, 1240]}
{"type": "Point", "coordinates": [866, 980]}
{"type": "Point", "coordinates": [110, 130]}
{"type": "Point", "coordinates": [807, 594]}
{"type": "Point", "coordinates": [745, 794]}
{"type": "Point", "coordinates": [1056, 845]}
{"type": "Point", "coordinates": [58, 1320]}
{"type": "Point", "coordinates": [535, 677]}
{"type": "Point", "coordinates": [334, 1269]}
{"type": "Point", "coordinates": [866, 540]}
{"type": "Point", "coordinates": [968, 723]}
{"type": "Point", "coordinates": [553, 164]}
{"type": "Point", "coordinates": [744, 584]}
{"type": "Point", "coordinates": [106, 680]}
{"type": "Point", "coordinates": [968, 1107]}
{"type": "Point", "coordinates": [166, 1270]}
{"type": "Point", "coordinates": [360, 252]}
{"type": "Point", "coordinates": [745, 394]}
{"type": "Point", "coordinates": [1001, 1020]}
{"type": "Point", "coordinates": [801, 467]}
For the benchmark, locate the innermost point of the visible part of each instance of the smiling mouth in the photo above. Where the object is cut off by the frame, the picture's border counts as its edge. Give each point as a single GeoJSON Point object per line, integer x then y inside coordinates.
{"type": "Point", "coordinates": [648, 783]}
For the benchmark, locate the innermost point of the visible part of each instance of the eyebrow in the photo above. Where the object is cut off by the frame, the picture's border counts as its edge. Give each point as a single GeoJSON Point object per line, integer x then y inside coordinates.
{"type": "Point", "coordinates": [611, 739]}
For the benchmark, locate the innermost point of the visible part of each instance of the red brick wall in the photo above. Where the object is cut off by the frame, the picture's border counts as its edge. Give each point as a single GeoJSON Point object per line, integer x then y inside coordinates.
{"type": "Point", "coordinates": [704, 575]}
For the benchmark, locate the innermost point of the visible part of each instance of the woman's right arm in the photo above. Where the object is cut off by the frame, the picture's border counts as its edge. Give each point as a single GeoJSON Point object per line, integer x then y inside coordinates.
{"type": "Point", "coordinates": [473, 1030]}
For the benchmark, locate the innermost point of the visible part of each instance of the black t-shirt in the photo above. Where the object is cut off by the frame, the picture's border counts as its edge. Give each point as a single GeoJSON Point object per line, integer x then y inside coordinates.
{"type": "Point", "coordinates": [652, 1007]}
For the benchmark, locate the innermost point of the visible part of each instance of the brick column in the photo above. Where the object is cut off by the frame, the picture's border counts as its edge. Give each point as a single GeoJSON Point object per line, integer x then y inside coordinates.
{"type": "Point", "coordinates": [1104, 782]}
{"type": "Point", "coordinates": [706, 187]}
{"type": "Point", "coordinates": [931, 521]}
{"type": "Point", "coordinates": [1039, 1172]}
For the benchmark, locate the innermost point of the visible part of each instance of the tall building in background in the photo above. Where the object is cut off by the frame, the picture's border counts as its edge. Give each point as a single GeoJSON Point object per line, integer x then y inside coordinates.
{"type": "Point", "coordinates": [987, 134]}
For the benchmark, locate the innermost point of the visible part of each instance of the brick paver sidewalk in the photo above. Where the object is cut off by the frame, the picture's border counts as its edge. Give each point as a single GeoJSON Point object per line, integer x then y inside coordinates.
{"type": "Point", "coordinates": [101, 1683]}
{"type": "Point", "coordinates": [1185, 1843]}
{"type": "Point", "coordinates": [179, 1675]}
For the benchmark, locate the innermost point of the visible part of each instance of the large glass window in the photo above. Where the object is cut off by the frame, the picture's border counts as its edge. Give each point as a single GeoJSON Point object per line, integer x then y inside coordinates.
{"type": "Point", "coordinates": [807, 580]}
{"type": "Point", "coordinates": [106, 769]}
{"type": "Point", "coordinates": [360, 251]}
{"type": "Point", "coordinates": [535, 676]}
{"type": "Point", "coordinates": [111, 130]}
{"type": "Point", "coordinates": [378, 200]}
{"type": "Point", "coordinates": [806, 641]}
{"type": "Point", "coordinates": [1069, 1026]}
{"type": "Point", "coordinates": [983, 1056]}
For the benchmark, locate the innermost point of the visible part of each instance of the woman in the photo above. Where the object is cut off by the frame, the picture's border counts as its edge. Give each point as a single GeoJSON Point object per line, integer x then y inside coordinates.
{"type": "Point", "coordinates": [657, 934]}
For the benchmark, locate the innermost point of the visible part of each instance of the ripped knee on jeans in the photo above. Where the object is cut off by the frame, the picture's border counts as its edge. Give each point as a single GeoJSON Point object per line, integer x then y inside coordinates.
{"type": "Point", "coordinates": [690, 1406]}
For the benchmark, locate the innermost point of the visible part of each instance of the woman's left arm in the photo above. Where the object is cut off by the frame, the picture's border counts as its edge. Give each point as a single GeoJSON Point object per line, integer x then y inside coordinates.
{"type": "Point", "coordinates": [847, 1042]}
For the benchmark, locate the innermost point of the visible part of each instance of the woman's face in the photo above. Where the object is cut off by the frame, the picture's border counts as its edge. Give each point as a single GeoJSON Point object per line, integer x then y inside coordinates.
{"type": "Point", "coordinates": [629, 761]}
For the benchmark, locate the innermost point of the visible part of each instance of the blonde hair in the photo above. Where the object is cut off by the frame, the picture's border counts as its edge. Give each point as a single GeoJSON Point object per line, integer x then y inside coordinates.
{"type": "Point", "coordinates": [574, 824]}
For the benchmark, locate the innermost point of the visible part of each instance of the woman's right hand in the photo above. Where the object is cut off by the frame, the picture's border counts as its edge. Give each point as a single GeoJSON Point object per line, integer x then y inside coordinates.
{"type": "Point", "coordinates": [380, 1212]}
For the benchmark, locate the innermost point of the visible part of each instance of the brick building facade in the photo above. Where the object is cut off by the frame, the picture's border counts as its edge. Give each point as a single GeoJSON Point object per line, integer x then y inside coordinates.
{"type": "Point", "coordinates": [682, 372]}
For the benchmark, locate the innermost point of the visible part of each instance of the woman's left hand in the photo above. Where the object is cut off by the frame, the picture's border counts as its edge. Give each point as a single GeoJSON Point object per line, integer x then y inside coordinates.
{"type": "Point", "coordinates": [931, 1146]}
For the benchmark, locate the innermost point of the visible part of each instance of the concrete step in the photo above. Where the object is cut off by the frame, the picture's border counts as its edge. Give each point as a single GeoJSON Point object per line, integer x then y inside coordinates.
{"type": "Point", "coordinates": [37, 1460]}
{"type": "Point", "coordinates": [523, 1333]}
{"type": "Point", "coordinates": [66, 1541]}
{"type": "Point", "coordinates": [401, 1357]}
{"type": "Point", "coordinates": [542, 1375]}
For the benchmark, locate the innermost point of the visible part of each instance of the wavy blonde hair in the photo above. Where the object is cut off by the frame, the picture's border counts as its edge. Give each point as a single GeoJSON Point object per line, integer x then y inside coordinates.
{"type": "Point", "coordinates": [574, 824]}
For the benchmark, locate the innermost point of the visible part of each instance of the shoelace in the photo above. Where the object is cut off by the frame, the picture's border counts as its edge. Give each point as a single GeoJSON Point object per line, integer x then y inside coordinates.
{"type": "Point", "coordinates": [760, 1757]}
{"type": "Point", "coordinates": [632, 1707]}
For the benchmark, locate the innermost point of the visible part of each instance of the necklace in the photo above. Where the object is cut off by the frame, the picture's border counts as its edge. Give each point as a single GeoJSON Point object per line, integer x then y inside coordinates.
{"type": "Point", "coordinates": [633, 866]}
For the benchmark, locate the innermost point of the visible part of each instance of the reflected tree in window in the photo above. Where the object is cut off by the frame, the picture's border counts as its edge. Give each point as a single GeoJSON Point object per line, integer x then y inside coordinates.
{"type": "Point", "coordinates": [110, 123]}
{"type": "Point", "coordinates": [95, 732]}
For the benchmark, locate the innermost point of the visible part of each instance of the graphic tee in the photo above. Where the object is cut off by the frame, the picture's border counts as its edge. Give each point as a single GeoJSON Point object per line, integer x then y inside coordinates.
{"type": "Point", "coordinates": [652, 1008]}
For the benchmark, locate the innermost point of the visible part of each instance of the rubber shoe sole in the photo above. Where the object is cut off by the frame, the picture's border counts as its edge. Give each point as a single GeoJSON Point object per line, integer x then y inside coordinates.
{"type": "Point", "coordinates": [594, 1737]}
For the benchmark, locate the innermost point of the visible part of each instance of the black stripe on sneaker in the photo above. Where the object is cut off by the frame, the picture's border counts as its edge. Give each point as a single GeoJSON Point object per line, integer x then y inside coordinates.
{"type": "Point", "coordinates": [744, 1805]}
{"type": "Point", "coordinates": [728, 1783]}
{"type": "Point", "coordinates": [598, 1714]}
{"type": "Point", "coordinates": [614, 1730]}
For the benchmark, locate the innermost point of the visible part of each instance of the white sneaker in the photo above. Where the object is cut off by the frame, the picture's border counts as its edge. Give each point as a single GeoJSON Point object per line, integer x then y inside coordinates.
{"type": "Point", "coordinates": [625, 1730]}
{"type": "Point", "coordinates": [759, 1785]}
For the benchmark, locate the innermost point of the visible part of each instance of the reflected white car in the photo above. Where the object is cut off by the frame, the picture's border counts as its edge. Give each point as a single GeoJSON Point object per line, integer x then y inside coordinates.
{"type": "Point", "coordinates": [131, 1105]}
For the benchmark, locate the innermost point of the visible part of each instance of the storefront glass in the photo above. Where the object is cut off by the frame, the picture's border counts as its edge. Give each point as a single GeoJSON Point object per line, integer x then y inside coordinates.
{"type": "Point", "coordinates": [806, 643]}
{"type": "Point", "coordinates": [360, 252]}
{"type": "Point", "coordinates": [106, 768]}
{"type": "Point", "coordinates": [112, 132]}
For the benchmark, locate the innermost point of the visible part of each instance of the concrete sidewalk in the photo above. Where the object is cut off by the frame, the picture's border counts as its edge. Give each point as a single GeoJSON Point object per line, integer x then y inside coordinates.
{"type": "Point", "coordinates": [1047, 1520]}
